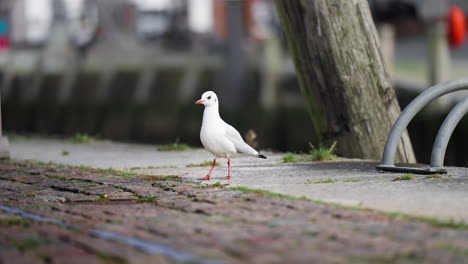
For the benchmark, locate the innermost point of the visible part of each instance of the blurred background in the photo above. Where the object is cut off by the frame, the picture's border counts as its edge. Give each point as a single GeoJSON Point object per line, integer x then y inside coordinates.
{"type": "Point", "coordinates": [131, 70]}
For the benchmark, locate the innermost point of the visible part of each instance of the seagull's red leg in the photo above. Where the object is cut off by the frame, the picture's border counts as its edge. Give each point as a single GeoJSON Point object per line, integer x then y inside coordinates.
{"type": "Point", "coordinates": [228, 177]}
{"type": "Point", "coordinates": [207, 177]}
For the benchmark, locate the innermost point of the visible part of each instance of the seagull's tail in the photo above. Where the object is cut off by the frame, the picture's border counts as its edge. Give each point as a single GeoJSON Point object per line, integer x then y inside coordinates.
{"type": "Point", "coordinates": [261, 156]}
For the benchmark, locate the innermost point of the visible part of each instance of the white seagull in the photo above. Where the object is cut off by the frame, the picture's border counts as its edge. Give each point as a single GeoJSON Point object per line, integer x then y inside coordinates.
{"type": "Point", "coordinates": [220, 138]}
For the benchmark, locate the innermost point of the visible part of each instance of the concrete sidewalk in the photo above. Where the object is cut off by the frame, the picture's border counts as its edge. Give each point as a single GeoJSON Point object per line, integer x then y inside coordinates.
{"type": "Point", "coordinates": [356, 183]}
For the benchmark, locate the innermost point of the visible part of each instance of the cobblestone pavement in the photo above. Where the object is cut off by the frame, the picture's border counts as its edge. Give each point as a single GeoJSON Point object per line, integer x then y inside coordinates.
{"type": "Point", "coordinates": [60, 214]}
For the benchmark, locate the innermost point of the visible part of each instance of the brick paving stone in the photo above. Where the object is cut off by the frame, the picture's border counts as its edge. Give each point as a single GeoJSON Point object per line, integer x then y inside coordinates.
{"type": "Point", "coordinates": [211, 223]}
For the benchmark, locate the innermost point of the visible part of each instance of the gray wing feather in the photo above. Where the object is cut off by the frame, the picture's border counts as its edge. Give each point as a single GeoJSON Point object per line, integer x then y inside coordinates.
{"type": "Point", "coordinates": [241, 147]}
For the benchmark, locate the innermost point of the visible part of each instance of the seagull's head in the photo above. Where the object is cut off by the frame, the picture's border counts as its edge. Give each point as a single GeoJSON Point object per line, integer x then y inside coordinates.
{"type": "Point", "coordinates": [208, 99]}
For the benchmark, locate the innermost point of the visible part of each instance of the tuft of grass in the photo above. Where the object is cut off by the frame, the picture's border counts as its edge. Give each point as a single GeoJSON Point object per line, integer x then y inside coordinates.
{"type": "Point", "coordinates": [291, 157]}
{"type": "Point", "coordinates": [266, 193]}
{"type": "Point", "coordinates": [81, 138]}
{"type": "Point", "coordinates": [202, 164]}
{"type": "Point", "coordinates": [176, 146]}
{"type": "Point", "coordinates": [405, 177]}
{"type": "Point", "coordinates": [322, 153]}
{"type": "Point", "coordinates": [316, 154]}
{"type": "Point", "coordinates": [352, 180]}
{"type": "Point", "coordinates": [321, 181]}
{"type": "Point", "coordinates": [65, 153]}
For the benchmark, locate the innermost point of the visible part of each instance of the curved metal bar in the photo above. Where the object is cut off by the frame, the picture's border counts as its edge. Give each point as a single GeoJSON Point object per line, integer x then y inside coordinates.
{"type": "Point", "coordinates": [446, 131]}
{"type": "Point", "coordinates": [411, 110]}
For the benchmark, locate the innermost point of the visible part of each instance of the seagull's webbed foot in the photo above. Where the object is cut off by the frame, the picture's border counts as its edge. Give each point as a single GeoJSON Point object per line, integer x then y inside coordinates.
{"type": "Point", "coordinates": [206, 178]}
{"type": "Point", "coordinates": [226, 178]}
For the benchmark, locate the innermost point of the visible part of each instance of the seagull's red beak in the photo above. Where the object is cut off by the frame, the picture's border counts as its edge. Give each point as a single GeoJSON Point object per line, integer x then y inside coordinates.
{"type": "Point", "coordinates": [200, 101]}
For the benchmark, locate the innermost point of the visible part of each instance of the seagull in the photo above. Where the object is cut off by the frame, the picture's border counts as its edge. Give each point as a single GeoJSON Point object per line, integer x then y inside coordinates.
{"type": "Point", "coordinates": [220, 138]}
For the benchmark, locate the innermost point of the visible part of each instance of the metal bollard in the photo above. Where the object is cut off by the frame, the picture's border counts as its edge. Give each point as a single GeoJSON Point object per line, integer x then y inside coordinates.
{"type": "Point", "coordinates": [446, 130]}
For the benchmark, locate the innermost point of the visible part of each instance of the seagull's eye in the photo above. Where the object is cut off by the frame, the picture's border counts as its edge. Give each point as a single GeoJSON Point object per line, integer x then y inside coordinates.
{"type": "Point", "coordinates": [209, 97]}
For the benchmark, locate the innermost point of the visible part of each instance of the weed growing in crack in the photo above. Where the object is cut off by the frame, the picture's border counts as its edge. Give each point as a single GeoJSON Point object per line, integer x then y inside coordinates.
{"type": "Point", "coordinates": [316, 154]}
{"type": "Point", "coordinates": [322, 153]}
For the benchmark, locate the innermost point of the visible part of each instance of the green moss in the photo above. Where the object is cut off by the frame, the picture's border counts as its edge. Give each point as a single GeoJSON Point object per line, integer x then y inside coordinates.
{"type": "Point", "coordinates": [203, 164]}
{"type": "Point", "coordinates": [65, 153]}
{"type": "Point", "coordinates": [102, 199]}
{"type": "Point", "coordinates": [405, 177]}
{"type": "Point", "coordinates": [174, 178]}
{"type": "Point", "coordinates": [265, 193]}
{"type": "Point", "coordinates": [14, 136]}
{"type": "Point", "coordinates": [109, 258]}
{"type": "Point", "coordinates": [214, 185]}
{"type": "Point", "coordinates": [150, 199]}
{"type": "Point", "coordinates": [153, 167]}
{"type": "Point", "coordinates": [321, 181]}
{"type": "Point", "coordinates": [352, 180]}
{"type": "Point", "coordinates": [432, 221]}
{"type": "Point", "coordinates": [397, 215]}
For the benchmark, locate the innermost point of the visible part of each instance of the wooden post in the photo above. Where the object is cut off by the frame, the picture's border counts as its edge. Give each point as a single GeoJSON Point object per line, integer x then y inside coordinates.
{"type": "Point", "coordinates": [342, 75]}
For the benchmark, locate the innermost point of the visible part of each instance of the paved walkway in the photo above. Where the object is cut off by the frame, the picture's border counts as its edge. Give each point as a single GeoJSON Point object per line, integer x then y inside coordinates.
{"type": "Point", "coordinates": [353, 182]}
{"type": "Point", "coordinates": [61, 214]}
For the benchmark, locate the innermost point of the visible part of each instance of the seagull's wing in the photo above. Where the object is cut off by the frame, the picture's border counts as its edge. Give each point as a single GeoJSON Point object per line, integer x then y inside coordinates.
{"type": "Point", "coordinates": [241, 147]}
